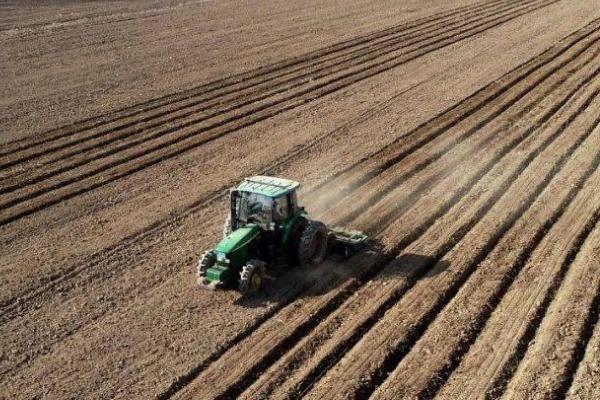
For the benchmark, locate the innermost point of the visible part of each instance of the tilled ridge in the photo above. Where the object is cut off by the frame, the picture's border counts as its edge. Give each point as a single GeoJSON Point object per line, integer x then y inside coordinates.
{"type": "Point", "coordinates": [580, 40]}
{"type": "Point", "coordinates": [483, 219]}
{"type": "Point", "coordinates": [459, 323]}
{"type": "Point", "coordinates": [548, 366]}
{"type": "Point", "coordinates": [92, 265]}
{"type": "Point", "coordinates": [482, 107]}
{"type": "Point", "coordinates": [585, 383]}
{"type": "Point", "coordinates": [513, 105]}
{"type": "Point", "coordinates": [361, 313]}
{"type": "Point", "coordinates": [503, 342]}
{"type": "Point", "coordinates": [380, 349]}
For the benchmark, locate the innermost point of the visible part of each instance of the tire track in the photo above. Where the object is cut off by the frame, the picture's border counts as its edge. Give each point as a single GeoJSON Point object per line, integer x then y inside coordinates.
{"type": "Point", "coordinates": [232, 381]}
{"type": "Point", "coordinates": [225, 101]}
{"type": "Point", "coordinates": [197, 110]}
{"type": "Point", "coordinates": [16, 207]}
{"type": "Point", "coordinates": [236, 79]}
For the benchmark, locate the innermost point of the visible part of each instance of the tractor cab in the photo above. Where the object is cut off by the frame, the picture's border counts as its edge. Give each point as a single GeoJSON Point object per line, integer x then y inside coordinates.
{"type": "Point", "coordinates": [264, 201]}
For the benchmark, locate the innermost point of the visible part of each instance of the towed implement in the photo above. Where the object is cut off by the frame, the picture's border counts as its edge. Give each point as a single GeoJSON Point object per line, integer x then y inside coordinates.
{"type": "Point", "coordinates": [267, 228]}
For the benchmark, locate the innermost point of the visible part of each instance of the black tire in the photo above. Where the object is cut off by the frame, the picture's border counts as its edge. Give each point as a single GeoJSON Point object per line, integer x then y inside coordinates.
{"type": "Point", "coordinates": [206, 261]}
{"type": "Point", "coordinates": [294, 241]}
{"type": "Point", "coordinates": [252, 277]}
{"type": "Point", "coordinates": [312, 246]}
{"type": "Point", "coordinates": [227, 226]}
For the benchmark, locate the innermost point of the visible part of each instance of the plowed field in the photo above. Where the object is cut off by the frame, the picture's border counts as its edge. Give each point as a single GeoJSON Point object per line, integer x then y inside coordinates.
{"type": "Point", "coordinates": [463, 137]}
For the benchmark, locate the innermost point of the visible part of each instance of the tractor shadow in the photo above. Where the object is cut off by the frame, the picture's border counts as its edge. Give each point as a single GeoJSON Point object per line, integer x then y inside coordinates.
{"type": "Point", "coordinates": [368, 267]}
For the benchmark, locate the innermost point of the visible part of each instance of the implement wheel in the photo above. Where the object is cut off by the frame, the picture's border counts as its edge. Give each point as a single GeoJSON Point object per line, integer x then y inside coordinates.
{"type": "Point", "coordinates": [312, 246]}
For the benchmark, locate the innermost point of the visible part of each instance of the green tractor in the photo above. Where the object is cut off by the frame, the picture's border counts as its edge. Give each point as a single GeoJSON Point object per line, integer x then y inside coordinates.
{"type": "Point", "coordinates": [267, 228]}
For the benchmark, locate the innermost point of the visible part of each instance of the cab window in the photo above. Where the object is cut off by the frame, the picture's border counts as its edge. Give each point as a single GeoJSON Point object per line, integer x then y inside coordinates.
{"type": "Point", "coordinates": [281, 208]}
{"type": "Point", "coordinates": [253, 207]}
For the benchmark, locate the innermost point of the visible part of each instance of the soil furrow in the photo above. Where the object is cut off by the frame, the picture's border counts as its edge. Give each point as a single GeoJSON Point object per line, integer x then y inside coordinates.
{"type": "Point", "coordinates": [354, 175]}
{"type": "Point", "coordinates": [459, 323]}
{"type": "Point", "coordinates": [499, 385]}
{"type": "Point", "coordinates": [438, 125]}
{"type": "Point", "coordinates": [547, 369]}
{"type": "Point", "coordinates": [147, 158]}
{"type": "Point", "coordinates": [367, 364]}
{"type": "Point", "coordinates": [585, 381]}
{"type": "Point", "coordinates": [231, 381]}
{"type": "Point", "coordinates": [474, 173]}
{"type": "Point", "coordinates": [205, 202]}
{"type": "Point", "coordinates": [237, 105]}
{"type": "Point", "coordinates": [370, 307]}
{"type": "Point", "coordinates": [289, 289]}
{"type": "Point", "coordinates": [387, 203]}
{"type": "Point", "coordinates": [526, 301]}
{"type": "Point", "coordinates": [551, 54]}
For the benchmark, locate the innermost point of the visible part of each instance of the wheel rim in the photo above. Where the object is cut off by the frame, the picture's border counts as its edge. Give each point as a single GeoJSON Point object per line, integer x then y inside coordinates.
{"type": "Point", "coordinates": [255, 281]}
{"type": "Point", "coordinates": [204, 264]}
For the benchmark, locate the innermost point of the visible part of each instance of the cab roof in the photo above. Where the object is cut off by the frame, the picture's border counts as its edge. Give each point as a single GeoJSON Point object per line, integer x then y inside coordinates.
{"type": "Point", "coordinates": [268, 186]}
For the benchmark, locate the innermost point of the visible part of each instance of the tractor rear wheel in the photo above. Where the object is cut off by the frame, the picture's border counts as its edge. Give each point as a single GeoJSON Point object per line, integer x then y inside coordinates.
{"type": "Point", "coordinates": [312, 246]}
{"type": "Point", "coordinates": [252, 276]}
{"type": "Point", "coordinates": [206, 261]}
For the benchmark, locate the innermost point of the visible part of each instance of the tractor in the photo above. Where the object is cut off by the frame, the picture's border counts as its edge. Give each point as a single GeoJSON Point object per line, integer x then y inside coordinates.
{"type": "Point", "coordinates": [266, 228]}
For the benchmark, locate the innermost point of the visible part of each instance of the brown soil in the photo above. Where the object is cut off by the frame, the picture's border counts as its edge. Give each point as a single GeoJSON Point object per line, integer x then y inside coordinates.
{"type": "Point", "coordinates": [460, 135]}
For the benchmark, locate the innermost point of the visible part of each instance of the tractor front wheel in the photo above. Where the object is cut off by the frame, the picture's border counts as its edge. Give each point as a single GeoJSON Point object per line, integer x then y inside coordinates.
{"type": "Point", "coordinates": [206, 261]}
{"type": "Point", "coordinates": [312, 246]}
{"type": "Point", "coordinates": [252, 276]}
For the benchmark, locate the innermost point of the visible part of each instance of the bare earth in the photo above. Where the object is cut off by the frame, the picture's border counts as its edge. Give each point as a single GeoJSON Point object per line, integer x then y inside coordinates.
{"type": "Point", "coordinates": [462, 136]}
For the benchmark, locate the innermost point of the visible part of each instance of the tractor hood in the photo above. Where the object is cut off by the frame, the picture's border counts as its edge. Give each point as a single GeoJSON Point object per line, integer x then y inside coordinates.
{"type": "Point", "coordinates": [237, 239]}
